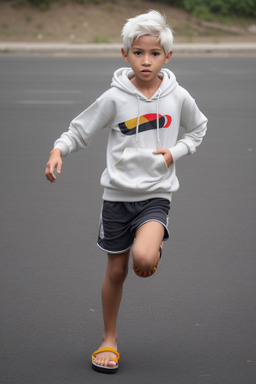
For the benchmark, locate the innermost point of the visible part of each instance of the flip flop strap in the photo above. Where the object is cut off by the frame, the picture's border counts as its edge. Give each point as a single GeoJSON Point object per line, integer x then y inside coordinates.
{"type": "Point", "coordinates": [107, 350]}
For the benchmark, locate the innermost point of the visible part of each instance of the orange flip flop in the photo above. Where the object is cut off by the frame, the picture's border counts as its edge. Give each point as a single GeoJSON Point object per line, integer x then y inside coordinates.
{"type": "Point", "coordinates": [103, 369]}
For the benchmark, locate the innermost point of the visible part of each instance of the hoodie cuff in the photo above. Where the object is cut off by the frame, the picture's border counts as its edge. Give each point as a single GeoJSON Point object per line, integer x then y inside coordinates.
{"type": "Point", "coordinates": [63, 148]}
{"type": "Point", "coordinates": [178, 151]}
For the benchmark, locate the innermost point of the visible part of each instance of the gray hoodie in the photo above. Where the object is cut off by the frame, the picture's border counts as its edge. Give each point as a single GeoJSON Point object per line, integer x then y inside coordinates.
{"type": "Point", "coordinates": [138, 126]}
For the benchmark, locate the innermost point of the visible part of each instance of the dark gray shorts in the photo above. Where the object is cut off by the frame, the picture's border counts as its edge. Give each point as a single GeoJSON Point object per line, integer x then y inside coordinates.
{"type": "Point", "coordinates": [119, 222]}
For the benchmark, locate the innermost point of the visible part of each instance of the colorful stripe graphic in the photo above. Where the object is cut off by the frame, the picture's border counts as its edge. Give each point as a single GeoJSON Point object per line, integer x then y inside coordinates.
{"type": "Point", "coordinates": [146, 123]}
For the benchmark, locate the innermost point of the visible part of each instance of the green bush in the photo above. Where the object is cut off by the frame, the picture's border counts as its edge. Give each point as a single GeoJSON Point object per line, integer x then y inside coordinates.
{"type": "Point", "coordinates": [204, 8]}
{"type": "Point", "coordinates": [45, 4]}
{"type": "Point", "coordinates": [42, 4]}
{"type": "Point", "coordinates": [223, 7]}
{"type": "Point", "coordinates": [202, 12]}
{"type": "Point", "coordinates": [199, 8]}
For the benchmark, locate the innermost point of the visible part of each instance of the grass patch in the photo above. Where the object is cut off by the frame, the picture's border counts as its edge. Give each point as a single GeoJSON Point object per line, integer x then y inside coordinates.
{"type": "Point", "coordinates": [100, 40]}
{"type": "Point", "coordinates": [39, 26]}
{"type": "Point", "coordinates": [4, 26]}
{"type": "Point", "coordinates": [110, 7]}
{"type": "Point", "coordinates": [28, 17]}
{"type": "Point", "coordinates": [96, 2]}
{"type": "Point", "coordinates": [190, 37]}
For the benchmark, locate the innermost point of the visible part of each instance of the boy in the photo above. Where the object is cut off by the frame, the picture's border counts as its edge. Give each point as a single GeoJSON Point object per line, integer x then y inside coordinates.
{"type": "Point", "coordinates": [144, 109]}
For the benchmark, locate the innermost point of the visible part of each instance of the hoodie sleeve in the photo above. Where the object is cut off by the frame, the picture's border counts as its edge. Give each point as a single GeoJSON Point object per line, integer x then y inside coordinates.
{"type": "Point", "coordinates": [83, 127]}
{"type": "Point", "coordinates": [195, 125]}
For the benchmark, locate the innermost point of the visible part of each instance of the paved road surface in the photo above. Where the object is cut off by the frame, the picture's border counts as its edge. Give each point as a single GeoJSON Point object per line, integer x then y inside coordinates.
{"type": "Point", "coordinates": [194, 322]}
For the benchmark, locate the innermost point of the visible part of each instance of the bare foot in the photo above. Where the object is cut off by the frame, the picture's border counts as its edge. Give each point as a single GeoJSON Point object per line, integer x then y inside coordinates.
{"type": "Point", "coordinates": [105, 358]}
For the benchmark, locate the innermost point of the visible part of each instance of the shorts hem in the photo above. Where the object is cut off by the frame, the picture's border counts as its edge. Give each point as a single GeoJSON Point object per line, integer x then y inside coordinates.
{"type": "Point", "coordinates": [114, 252]}
{"type": "Point", "coordinates": [160, 222]}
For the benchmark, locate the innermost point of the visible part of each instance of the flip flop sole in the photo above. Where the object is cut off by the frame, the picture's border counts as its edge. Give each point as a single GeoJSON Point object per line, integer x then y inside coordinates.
{"type": "Point", "coordinates": [109, 370]}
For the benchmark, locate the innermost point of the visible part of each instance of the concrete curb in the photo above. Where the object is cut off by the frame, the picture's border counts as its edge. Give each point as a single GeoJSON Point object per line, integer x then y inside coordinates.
{"type": "Point", "coordinates": [114, 49]}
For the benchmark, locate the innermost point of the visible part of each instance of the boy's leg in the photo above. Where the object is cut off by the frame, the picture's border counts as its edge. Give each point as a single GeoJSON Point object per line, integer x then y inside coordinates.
{"type": "Point", "coordinates": [146, 246]}
{"type": "Point", "coordinates": [112, 289]}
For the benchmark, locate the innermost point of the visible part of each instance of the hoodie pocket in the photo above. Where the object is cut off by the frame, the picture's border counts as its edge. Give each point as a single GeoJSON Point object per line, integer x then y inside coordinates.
{"type": "Point", "coordinates": [141, 170]}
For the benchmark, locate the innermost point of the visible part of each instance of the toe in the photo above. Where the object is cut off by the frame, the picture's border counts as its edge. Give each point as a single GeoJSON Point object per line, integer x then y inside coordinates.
{"type": "Point", "coordinates": [111, 363]}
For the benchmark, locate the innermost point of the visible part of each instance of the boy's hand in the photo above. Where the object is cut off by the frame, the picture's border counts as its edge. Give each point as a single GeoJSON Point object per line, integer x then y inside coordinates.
{"type": "Point", "coordinates": [166, 154]}
{"type": "Point", "coordinates": [53, 162]}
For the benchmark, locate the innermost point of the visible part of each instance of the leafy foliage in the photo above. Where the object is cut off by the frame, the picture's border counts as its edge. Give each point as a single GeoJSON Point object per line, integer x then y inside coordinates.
{"type": "Point", "coordinates": [204, 8]}
{"type": "Point", "coordinates": [222, 7]}
{"type": "Point", "coordinates": [199, 8]}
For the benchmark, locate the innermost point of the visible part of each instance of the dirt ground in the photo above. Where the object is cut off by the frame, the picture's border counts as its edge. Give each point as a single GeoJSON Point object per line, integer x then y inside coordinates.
{"type": "Point", "coordinates": [102, 23]}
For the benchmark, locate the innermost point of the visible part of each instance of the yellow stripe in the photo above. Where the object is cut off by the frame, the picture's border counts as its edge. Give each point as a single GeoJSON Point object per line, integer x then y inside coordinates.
{"type": "Point", "coordinates": [130, 124]}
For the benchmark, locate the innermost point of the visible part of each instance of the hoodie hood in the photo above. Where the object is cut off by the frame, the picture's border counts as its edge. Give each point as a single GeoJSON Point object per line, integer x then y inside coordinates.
{"type": "Point", "coordinates": [122, 80]}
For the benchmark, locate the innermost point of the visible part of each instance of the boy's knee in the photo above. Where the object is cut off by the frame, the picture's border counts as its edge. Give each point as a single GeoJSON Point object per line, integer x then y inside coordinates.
{"type": "Point", "coordinates": [117, 274]}
{"type": "Point", "coordinates": [144, 260]}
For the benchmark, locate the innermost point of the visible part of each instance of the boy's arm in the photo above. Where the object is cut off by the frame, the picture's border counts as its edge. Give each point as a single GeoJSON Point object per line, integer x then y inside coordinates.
{"type": "Point", "coordinates": [80, 133]}
{"type": "Point", "coordinates": [54, 161]}
{"type": "Point", "coordinates": [83, 128]}
{"type": "Point", "coordinates": [195, 125]}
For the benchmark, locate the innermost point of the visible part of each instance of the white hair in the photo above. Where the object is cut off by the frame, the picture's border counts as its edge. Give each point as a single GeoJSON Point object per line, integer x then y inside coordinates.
{"type": "Point", "coordinates": [150, 23]}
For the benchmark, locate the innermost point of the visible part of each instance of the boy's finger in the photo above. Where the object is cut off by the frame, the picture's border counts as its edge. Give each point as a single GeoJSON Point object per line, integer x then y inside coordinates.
{"type": "Point", "coordinates": [49, 173]}
{"type": "Point", "coordinates": [59, 168]}
{"type": "Point", "coordinates": [160, 152]}
{"type": "Point", "coordinates": [51, 177]}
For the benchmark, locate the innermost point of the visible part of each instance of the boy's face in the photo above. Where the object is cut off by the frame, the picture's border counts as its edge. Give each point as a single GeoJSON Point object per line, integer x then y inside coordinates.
{"type": "Point", "coordinates": [147, 58]}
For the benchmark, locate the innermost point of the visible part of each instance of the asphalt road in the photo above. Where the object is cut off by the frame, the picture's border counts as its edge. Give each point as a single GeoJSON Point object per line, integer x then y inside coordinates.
{"type": "Point", "coordinates": [194, 322]}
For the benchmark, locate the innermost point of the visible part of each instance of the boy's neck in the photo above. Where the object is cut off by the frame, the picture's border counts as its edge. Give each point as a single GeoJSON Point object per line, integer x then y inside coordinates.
{"type": "Point", "coordinates": [148, 89]}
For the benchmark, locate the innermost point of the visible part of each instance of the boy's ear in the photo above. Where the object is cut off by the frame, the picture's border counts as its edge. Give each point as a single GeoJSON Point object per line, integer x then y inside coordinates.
{"type": "Point", "coordinates": [125, 56]}
{"type": "Point", "coordinates": [167, 57]}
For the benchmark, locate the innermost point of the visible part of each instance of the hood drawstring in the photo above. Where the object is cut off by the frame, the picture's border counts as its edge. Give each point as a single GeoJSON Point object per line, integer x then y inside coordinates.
{"type": "Point", "coordinates": [157, 121]}
{"type": "Point", "coordinates": [138, 122]}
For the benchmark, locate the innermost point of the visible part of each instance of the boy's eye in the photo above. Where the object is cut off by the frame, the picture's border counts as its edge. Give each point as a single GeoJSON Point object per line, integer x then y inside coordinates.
{"type": "Point", "coordinates": [137, 53]}
{"type": "Point", "coordinates": [156, 53]}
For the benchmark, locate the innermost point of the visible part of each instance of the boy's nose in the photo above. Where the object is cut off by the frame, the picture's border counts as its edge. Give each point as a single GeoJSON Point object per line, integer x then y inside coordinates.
{"type": "Point", "coordinates": [146, 60]}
